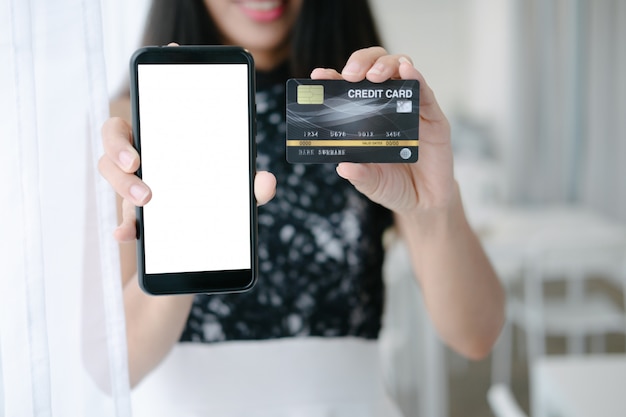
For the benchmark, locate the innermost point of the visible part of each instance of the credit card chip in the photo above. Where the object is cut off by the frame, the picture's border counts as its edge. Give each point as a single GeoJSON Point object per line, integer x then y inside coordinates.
{"type": "Point", "coordinates": [310, 94]}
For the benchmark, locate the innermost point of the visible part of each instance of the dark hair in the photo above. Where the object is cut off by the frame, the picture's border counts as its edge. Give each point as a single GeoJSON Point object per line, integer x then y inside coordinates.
{"type": "Point", "coordinates": [325, 34]}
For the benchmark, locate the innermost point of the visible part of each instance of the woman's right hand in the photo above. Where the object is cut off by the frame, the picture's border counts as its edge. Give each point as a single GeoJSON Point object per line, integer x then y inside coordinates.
{"type": "Point", "coordinates": [153, 324]}
{"type": "Point", "coordinates": [119, 164]}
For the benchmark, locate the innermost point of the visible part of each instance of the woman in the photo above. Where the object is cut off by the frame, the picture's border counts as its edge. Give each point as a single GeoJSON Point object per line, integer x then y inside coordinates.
{"type": "Point", "coordinates": [320, 249]}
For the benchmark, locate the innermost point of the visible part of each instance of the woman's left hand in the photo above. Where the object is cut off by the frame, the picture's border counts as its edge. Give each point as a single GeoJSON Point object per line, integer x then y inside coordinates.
{"type": "Point", "coordinates": [461, 291]}
{"type": "Point", "coordinates": [403, 188]}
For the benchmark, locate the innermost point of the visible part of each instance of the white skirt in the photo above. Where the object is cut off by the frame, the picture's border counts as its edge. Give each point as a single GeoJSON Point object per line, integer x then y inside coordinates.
{"type": "Point", "coordinates": [294, 377]}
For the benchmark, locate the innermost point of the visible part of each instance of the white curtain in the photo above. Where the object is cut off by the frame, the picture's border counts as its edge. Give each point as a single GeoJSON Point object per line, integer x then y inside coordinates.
{"type": "Point", "coordinates": [123, 25]}
{"type": "Point", "coordinates": [62, 336]}
{"type": "Point", "coordinates": [569, 103]}
{"type": "Point", "coordinates": [603, 183]}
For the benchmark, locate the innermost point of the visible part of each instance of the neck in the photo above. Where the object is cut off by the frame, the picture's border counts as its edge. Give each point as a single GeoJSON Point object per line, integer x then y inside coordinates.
{"type": "Point", "coordinates": [267, 60]}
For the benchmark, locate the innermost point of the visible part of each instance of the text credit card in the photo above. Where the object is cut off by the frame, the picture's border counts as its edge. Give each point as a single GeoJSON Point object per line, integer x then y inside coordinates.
{"type": "Point", "coordinates": [331, 121]}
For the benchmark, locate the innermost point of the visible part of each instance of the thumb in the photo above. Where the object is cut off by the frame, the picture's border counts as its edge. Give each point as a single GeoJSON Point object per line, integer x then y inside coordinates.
{"type": "Point", "coordinates": [365, 177]}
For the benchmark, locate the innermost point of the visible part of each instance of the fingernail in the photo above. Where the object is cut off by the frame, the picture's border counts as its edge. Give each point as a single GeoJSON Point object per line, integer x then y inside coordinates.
{"type": "Point", "coordinates": [349, 171]}
{"type": "Point", "coordinates": [351, 68]}
{"type": "Point", "coordinates": [139, 193]}
{"type": "Point", "coordinates": [126, 159]}
{"type": "Point", "coordinates": [376, 69]}
{"type": "Point", "coordinates": [405, 60]}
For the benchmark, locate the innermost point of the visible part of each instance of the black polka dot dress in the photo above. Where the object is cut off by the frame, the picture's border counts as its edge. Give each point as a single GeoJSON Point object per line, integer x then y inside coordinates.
{"type": "Point", "coordinates": [320, 250]}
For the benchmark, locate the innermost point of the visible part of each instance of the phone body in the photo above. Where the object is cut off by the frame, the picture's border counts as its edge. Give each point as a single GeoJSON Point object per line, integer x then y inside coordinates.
{"type": "Point", "coordinates": [193, 110]}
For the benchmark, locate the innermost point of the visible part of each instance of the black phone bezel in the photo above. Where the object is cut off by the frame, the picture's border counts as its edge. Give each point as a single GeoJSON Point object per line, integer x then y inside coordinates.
{"type": "Point", "coordinates": [190, 282]}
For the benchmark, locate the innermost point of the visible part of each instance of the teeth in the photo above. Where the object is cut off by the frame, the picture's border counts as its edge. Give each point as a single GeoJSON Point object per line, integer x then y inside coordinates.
{"type": "Point", "coordinates": [262, 5]}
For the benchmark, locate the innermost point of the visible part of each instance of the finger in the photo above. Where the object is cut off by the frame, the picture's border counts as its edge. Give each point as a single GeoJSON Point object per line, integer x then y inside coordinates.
{"type": "Point", "coordinates": [117, 140]}
{"type": "Point", "coordinates": [429, 107]}
{"type": "Point", "coordinates": [360, 63]}
{"type": "Point", "coordinates": [264, 187]}
{"type": "Point", "coordinates": [129, 186]}
{"type": "Point", "coordinates": [386, 67]}
{"type": "Point", "coordinates": [127, 230]}
{"type": "Point", "coordinates": [325, 74]}
{"type": "Point", "coordinates": [173, 44]}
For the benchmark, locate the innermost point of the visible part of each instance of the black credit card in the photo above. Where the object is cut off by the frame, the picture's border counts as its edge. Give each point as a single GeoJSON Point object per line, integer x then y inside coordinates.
{"type": "Point", "coordinates": [331, 121]}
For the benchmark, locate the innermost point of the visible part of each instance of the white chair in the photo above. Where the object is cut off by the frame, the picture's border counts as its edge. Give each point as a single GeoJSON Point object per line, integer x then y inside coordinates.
{"type": "Point", "coordinates": [531, 246]}
{"type": "Point", "coordinates": [569, 245]}
{"type": "Point", "coordinates": [578, 385]}
{"type": "Point", "coordinates": [503, 403]}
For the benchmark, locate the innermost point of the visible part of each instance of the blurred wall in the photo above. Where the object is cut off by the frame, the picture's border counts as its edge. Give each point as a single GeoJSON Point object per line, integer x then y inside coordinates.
{"type": "Point", "coordinates": [435, 34]}
{"type": "Point", "coordinates": [544, 81]}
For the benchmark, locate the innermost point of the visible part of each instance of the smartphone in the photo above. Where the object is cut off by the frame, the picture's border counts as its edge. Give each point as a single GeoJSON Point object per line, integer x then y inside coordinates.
{"type": "Point", "coordinates": [193, 111]}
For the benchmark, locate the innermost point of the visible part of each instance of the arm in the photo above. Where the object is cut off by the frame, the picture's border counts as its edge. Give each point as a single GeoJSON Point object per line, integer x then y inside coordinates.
{"type": "Point", "coordinates": [153, 323]}
{"type": "Point", "coordinates": [462, 293]}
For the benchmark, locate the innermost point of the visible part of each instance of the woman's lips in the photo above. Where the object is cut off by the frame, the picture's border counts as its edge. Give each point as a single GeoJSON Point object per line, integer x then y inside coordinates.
{"type": "Point", "coordinates": [263, 10]}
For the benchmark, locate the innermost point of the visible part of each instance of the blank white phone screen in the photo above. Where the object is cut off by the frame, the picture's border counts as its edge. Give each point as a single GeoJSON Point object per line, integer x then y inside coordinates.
{"type": "Point", "coordinates": [194, 131]}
